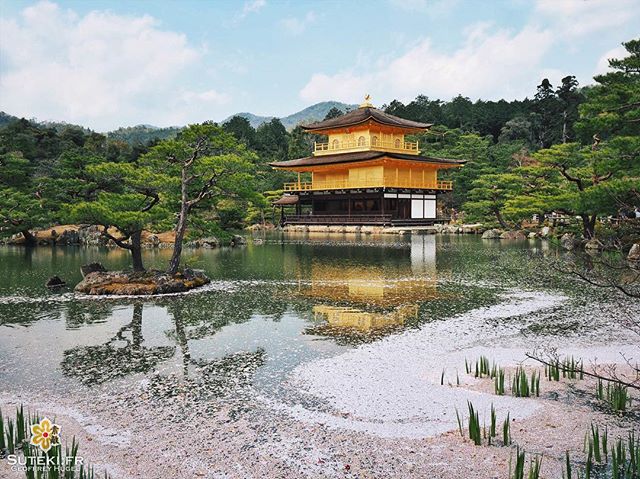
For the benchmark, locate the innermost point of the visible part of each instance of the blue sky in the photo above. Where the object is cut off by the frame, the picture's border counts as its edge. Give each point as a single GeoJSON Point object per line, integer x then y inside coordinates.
{"type": "Point", "coordinates": [105, 64]}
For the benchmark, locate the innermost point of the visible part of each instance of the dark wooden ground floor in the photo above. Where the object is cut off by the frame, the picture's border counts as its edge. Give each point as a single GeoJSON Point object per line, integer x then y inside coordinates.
{"type": "Point", "coordinates": [370, 207]}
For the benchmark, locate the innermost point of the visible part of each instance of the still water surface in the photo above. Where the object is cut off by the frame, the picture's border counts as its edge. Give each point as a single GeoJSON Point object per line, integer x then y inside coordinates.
{"type": "Point", "coordinates": [269, 308]}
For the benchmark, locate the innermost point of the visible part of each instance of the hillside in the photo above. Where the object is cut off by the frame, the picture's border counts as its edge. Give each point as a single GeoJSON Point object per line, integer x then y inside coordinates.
{"type": "Point", "coordinates": [145, 133]}
{"type": "Point", "coordinates": [313, 113]}
{"type": "Point", "coordinates": [5, 118]}
{"type": "Point", "coordinates": [310, 114]}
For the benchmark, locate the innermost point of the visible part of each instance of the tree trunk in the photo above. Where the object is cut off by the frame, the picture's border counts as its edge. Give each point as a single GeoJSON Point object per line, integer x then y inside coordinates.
{"type": "Point", "coordinates": [29, 239]}
{"type": "Point", "coordinates": [588, 226]}
{"type": "Point", "coordinates": [181, 227]}
{"type": "Point", "coordinates": [136, 251]}
{"type": "Point", "coordinates": [501, 220]}
{"type": "Point", "coordinates": [564, 126]}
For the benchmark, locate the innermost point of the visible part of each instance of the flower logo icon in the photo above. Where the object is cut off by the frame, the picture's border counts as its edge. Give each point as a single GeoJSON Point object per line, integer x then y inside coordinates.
{"type": "Point", "coordinates": [45, 434]}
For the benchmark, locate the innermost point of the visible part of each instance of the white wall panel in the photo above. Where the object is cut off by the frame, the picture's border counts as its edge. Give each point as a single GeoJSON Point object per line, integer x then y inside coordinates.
{"type": "Point", "coordinates": [417, 208]}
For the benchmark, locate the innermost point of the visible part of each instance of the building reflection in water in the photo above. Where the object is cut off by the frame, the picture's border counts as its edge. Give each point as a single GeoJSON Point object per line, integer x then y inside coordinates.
{"type": "Point", "coordinates": [364, 301]}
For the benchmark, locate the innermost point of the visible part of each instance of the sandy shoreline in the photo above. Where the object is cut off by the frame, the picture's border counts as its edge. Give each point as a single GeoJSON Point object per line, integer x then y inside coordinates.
{"type": "Point", "coordinates": [377, 410]}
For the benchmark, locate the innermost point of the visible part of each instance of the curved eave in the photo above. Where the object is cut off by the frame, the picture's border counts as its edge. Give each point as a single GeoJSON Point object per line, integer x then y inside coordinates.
{"type": "Point", "coordinates": [406, 129]}
{"type": "Point", "coordinates": [363, 115]}
{"type": "Point", "coordinates": [345, 158]}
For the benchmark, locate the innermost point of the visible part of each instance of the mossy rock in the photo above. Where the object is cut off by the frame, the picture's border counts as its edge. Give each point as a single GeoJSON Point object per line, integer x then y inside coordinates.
{"type": "Point", "coordinates": [123, 283]}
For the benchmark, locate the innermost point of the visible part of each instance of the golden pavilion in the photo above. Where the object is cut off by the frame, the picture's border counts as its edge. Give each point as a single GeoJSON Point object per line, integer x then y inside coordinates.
{"type": "Point", "coordinates": [365, 172]}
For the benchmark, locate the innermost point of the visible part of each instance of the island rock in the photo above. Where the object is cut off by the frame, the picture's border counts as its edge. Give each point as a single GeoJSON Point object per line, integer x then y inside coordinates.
{"type": "Point", "coordinates": [127, 283]}
{"type": "Point", "coordinates": [492, 234]}
{"type": "Point", "coordinates": [634, 253]}
{"type": "Point", "coordinates": [210, 242]}
{"type": "Point", "coordinates": [85, 269]}
{"type": "Point", "coordinates": [475, 228]}
{"type": "Point", "coordinates": [68, 237]}
{"type": "Point", "coordinates": [593, 245]}
{"type": "Point", "coordinates": [55, 282]}
{"type": "Point", "coordinates": [513, 235]}
{"type": "Point", "coordinates": [568, 241]}
{"type": "Point", "coordinates": [238, 240]}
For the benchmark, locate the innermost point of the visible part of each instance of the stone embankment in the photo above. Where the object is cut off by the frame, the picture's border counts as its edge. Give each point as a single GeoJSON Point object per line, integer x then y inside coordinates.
{"type": "Point", "coordinates": [376, 230]}
{"type": "Point", "coordinates": [127, 283]}
{"type": "Point", "coordinates": [91, 235]}
{"type": "Point", "coordinates": [567, 241]}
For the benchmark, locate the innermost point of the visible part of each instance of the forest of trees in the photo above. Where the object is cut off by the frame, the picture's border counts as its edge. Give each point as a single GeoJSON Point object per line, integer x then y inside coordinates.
{"type": "Point", "coordinates": [569, 149]}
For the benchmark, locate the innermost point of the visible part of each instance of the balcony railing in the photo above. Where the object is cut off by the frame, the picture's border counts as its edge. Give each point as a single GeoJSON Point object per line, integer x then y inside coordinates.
{"type": "Point", "coordinates": [353, 184]}
{"type": "Point", "coordinates": [364, 145]}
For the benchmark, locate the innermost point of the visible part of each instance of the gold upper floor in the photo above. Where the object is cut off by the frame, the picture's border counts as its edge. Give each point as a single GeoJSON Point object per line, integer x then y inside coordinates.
{"type": "Point", "coordinates": [369, 139]}
{"type": "Point", "coordinates": [372, 174]}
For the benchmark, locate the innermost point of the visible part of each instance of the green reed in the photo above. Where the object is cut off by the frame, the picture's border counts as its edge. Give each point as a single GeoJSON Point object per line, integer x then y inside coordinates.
{"type": "Point", "coordinates": [14, 439]}
{"type": "Point", "coordinates": [498, 382]}
{"type": "Point", "coordinates": [506, 431]}
{"type": "Point", "coordinates": [522, 386]}
{"type": "Point", "coordinates": [474, 425]}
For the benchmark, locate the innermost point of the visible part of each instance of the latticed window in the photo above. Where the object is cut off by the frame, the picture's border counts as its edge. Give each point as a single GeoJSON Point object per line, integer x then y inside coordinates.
{"type": "Point", "coordinates": [335, 144]}
{"type": "Point", "coordinates": [374, 141]}
{"type": "Point", "coordinates": [397, 142]}
{"type": "Point", "coordinates": [361, 141]}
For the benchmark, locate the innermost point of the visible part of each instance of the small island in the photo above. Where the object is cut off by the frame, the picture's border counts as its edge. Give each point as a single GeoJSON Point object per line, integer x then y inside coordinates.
{"type": "Point", "coordinates": [135, 283]}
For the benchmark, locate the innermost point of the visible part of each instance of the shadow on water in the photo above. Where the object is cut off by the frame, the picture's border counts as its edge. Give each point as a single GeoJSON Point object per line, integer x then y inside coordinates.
{"type": "Point", "coordinates": [122, 355]}
{"type": "Point", "coordinates": [202, 379]}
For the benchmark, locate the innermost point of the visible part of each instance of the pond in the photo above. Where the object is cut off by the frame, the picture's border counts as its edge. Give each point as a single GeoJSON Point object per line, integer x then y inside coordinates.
{"type": "Point", "coordinates": [292, 322]}
{"type": "Point", "coordinates": [283, 302]}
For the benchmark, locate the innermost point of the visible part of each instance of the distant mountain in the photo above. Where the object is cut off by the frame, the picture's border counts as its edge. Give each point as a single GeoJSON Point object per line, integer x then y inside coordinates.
{"type": "Point", "coordinates": [144, 133]}
{"type": "Point", "coordinates": [255, 120]}
{"type": "Point", "coordinates": [314, 113]}
{"type": "Point", "coordinates": [310, 114]}
{"type": "Point", "coordinates": [5, 118]}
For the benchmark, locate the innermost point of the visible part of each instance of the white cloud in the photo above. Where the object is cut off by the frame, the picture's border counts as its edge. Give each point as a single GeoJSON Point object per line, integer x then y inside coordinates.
{"type": "Point", "coordinates": [575, 18]}
{"type": "Point", "coordinates": [252, 6]}
{"type": "Point", "coordinates": [603, 62]}
{"type": "Point", "coordinates": [487, 65]}
{"type": "Point", "coordinates": [100, 69]}
{"type": "Point", "coordinates": [296, 26]}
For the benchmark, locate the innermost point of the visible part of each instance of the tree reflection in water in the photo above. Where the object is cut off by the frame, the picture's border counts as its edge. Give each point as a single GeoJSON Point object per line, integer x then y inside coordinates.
{"type": "Point", "coordinates": [122, 355]}
{"type": "Point", "coordinates": [202, 379]}
{"type": "Point", "coordinates": [125, 354]}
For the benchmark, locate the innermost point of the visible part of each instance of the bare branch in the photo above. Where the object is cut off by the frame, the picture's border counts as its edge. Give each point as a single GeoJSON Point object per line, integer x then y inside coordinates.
{"type": "Point", "coordinates": [119, 241]}
{"type": "Point", "coordinates": [577, 181]}
{"type": "Point", "coordinates": [622, 382]}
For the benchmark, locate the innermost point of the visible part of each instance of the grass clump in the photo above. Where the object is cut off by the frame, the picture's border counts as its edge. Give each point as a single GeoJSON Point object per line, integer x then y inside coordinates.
{"type": "Point", "coordinates": [482, 368]}
{"type": "Point", "coordinates": [56, 463]}
{"type": "Point", "coordinates": [474, 425]}
{"type": "Point", "coordinates": [521, 386]}
{"type": "Point", "coordinates": [476, 432]}
{"type": "Point", "coordinates": [571, 368]}
{"type": "Point", "coordinates": [498, 382]}
{"type": "Point", "coordinates": [516, 471]}
{"type": "Point", "coordinates": [620, 461]}
{"type": "Point", "coordinates": [615, 395]}
{"type": "Point", "coordinates": [506, 431]}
